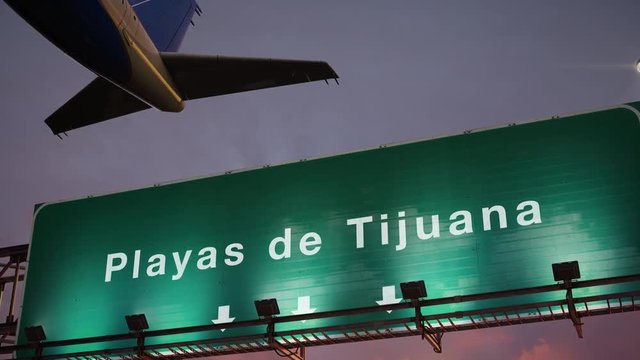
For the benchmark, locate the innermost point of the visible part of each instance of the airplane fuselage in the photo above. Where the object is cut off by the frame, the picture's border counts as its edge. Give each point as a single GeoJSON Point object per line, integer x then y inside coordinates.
{"type": "Point", "coordinates": [106, 37]}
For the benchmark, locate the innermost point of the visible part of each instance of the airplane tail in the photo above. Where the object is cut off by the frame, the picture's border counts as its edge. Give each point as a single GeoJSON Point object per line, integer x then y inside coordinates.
{"type": "Point", "coordinates": [166, 21]}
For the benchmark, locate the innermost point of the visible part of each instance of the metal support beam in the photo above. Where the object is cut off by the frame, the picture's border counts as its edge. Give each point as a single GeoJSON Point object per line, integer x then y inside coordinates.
{"type": "Point", "coordinates": [434, 338]}
{"type": "Point", "coordinates": [14, 250]}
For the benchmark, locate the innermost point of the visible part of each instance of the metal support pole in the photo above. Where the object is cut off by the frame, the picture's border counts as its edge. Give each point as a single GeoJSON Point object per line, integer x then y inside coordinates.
{"type": "Point", "coordinates": [17, 260]}
{"type": "Point", "coordinates": [140, 345]}
{"type": "Point", "coordinates": [1, 292]}
{"type": "Point", "coordinates": [39, 350]}
{"type": "Point", "coordinates": [297, 354]}
{"type": "Point", "coordinates": [435, 339]}
{"type": "Point", "coordinates": [271, 329]}
{"type": "Point", "coordinates": [573, 312]}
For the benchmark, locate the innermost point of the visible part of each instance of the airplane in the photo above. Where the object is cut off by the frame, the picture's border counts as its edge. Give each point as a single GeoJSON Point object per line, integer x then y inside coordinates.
{"type": "Point", "coordinates": [131, 45]}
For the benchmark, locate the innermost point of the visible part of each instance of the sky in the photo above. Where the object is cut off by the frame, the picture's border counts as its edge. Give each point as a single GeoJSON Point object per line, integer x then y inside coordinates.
{"type": "Point", "coordinates": [409, 70]}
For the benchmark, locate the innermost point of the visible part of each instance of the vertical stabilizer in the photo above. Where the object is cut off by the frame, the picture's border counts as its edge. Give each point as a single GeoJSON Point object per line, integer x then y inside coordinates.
{"type": "Point", "coordinates": [166, 21]}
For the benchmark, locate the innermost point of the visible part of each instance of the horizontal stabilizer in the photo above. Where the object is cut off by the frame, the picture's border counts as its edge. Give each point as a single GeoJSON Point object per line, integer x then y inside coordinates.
{"type": "Point", "coordinates": [98, 101]}
{"type": "Point", "coordinates": [199, 76]}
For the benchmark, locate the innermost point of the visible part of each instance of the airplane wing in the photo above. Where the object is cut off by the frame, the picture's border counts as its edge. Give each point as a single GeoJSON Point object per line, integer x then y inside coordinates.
{"type": "Point", "coordinates": [199, 76]}
{"type": "Point", "coordinates": [98, 101]}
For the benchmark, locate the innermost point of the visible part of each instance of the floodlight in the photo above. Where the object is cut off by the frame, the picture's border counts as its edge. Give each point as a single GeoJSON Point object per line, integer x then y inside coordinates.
{"type": "Point", "coordinates": [566, 271]}
{"type": "Point", "coordinates": [638, 66]}
{"type": "Point", "coordinates": [137, 322]}
{"type": "Point", "coordinates": [35, 333]}
{"type": "Point", "coordinates": [267, 307]}
{"type": "Point", "coordinates": [413, 290]}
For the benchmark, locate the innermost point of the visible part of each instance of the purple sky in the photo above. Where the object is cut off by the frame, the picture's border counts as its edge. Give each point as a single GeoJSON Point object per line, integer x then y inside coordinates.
{"type": "Point", "coordinates": [409, 70]}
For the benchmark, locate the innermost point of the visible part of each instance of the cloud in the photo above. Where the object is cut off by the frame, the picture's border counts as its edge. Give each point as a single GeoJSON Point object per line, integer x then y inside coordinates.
{"type": "Point", "coordinates": [484, 337]}
{"type": "Point", "coordinates": [543, 351]}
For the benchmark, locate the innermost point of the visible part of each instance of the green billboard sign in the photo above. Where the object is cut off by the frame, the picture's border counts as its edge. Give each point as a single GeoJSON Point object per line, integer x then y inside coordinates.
{"type": "Point", "coordinates": [477, 212]}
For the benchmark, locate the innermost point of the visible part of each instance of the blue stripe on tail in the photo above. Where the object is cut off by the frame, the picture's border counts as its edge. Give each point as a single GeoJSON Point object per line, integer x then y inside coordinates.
{"type": "Point", "coordinates": [166, 21]}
